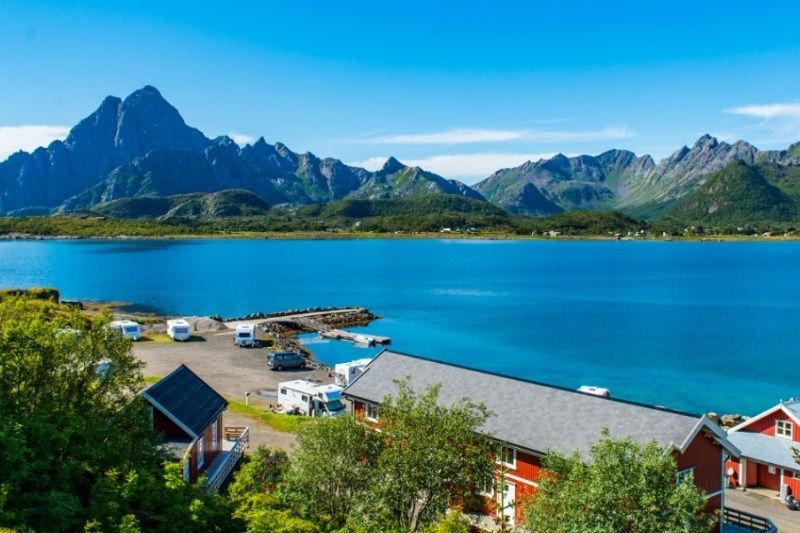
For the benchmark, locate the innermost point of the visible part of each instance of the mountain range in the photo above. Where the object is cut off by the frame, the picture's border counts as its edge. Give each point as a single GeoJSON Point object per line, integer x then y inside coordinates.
{"type": "Point", "coordinates": [140, 147]}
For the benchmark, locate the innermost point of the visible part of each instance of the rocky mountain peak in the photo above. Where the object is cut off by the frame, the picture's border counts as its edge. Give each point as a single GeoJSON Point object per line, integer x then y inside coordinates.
{"type": "Point", "coordinates": [706, 142]}
{"type": "Point", "coordinates": [391, 166]}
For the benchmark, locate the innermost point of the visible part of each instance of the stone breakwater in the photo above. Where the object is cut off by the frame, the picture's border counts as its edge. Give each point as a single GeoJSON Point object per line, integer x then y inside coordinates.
{"type": "Point", "coordinates": [332, 316]}
{"type": "Point", "coordinates": [282, 327]}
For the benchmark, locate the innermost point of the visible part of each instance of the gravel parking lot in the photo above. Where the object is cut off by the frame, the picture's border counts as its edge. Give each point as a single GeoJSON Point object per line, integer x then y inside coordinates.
{"type": "Point", "coordinates": [230, 370]}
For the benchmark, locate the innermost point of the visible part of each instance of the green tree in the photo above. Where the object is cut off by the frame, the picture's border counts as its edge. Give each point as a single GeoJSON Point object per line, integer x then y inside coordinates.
{"type": "Point", "coordinates": [432, 455]}
{"type": "Point", "coordinates": [332, 469]}
{"type": "Point", "coordinates": [453, 522]}
{"type": "Point", "coordinates": [624, 486]}
{"type": "Point", "coordinates": [261, 472]}
{"type": "Point", "coordinates": [66, 412]}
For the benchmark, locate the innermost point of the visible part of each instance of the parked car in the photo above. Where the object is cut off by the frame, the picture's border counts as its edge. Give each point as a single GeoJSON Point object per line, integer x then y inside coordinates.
{"type": "Point", "coordinates": [283, 360]}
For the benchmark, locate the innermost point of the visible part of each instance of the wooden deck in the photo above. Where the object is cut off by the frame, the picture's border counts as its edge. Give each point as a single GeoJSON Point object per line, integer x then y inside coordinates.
{"type": "Point", "coordinates": [232, 451]}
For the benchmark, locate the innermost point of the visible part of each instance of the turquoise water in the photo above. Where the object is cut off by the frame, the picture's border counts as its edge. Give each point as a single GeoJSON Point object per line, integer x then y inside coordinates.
{"type": "Point", "coordinates": [693, 326]}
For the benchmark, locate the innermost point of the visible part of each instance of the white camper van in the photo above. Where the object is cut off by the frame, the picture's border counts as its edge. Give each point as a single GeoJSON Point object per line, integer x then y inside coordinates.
{"type": "Point", "coordinates": [179, 329]}
{"type": "Point", "coordinates": [311, 399]}
{"type": "Point", "coordinates": [127, 328]}
{"type": "Point", "coordinates": [245, 335]}
{"type": "Point", "coordinates": [346, 373]}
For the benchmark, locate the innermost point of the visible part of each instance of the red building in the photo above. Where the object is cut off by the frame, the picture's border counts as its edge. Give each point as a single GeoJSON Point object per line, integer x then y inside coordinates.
{"type": "Point", "coordinates": [187, 412]}
{"type": "Point", "coordinates": [766, 442]}
{"type": "Point", "coordinates": [530, 418]}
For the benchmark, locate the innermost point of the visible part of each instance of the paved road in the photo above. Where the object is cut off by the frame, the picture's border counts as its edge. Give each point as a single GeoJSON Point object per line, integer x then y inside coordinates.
{"type": "Point", "coordinates": [758, 504]}
{"type": "Point", "coordinates": [231, 371]}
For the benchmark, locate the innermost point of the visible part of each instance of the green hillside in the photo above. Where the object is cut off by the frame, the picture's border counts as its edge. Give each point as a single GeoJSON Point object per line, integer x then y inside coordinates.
{"type": "Point", "coordinates": [742, 194]}
{"type": "Point", "coordinates": [230, 203]}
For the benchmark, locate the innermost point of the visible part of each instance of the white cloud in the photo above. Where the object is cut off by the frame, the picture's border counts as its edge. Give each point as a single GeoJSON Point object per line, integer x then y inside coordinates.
{"type": "Point", "coordinates": [28, 137]}
{"type": "Point", "coordinates": [469, 136]}
{"type": "Point", "coordinates": [241, 138]}
{"type": "Point", "coordinates": [466, 167]}
{"type": "Point", "coordinates": [767, 111]}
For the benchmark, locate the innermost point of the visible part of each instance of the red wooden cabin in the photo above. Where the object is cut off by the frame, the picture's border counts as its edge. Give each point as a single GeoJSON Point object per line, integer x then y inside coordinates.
{"type": "Point", "coordinates": [530, 418]}
{"type": "Point", "coordinates": [766, 442]}
{"type": "Point", "coordinates": [188, 413]}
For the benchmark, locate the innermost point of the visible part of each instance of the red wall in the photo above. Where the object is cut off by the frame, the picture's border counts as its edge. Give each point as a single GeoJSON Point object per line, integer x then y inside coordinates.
{"type": "Point", "coordinates": [165, 426]}
{"type": "Point", "coordinates": [705, 455]}
{"type": "Point", "coordinates": [209, 455]}
{"type": "Point", "coordinates": [766, 425]}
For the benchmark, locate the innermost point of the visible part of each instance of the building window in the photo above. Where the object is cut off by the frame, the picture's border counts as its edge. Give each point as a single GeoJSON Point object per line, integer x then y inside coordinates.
{"type": "Point", "coordinates": [201, 452]}
{"type": "Point", "coordinates": [783, 428]}
{"type": "Point", "coordinates": [683, 474]}
{"type": "Point", "coordinates": [371, 412]}
{"type": "Point", "coordinates": [214, 436]}
{"type": "Point", "coordinates": [508, 457]}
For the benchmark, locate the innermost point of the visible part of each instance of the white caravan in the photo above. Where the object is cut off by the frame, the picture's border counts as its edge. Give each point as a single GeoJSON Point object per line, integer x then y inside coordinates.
{"type": "Point", "coordinates": [245, 335]}
{"type": "Point", "coordinates": [346, 373]}
{"type": "Point", "coordinates": [311, 399]}
{"type": "Point", "coordinates": [179, 329]}
{"type": "Point", "coordinates": [127, 328]}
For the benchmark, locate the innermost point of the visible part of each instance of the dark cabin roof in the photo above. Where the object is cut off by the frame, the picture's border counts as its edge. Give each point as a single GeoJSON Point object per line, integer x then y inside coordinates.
{"type": "Point", "coordinates": [531, 415]}
{"type": "Point", "coordinates": [187, 400]}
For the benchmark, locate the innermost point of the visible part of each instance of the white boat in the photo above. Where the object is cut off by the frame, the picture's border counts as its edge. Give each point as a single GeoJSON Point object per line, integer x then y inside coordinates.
{"type": "Point", "coordinates": [596, 391]}
{"type": "Point", "coordinates": [363, 340]}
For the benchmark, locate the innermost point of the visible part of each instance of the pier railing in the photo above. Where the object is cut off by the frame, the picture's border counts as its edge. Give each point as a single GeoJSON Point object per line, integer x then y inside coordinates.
{"type": "Point", "coordinates": [747, 521]}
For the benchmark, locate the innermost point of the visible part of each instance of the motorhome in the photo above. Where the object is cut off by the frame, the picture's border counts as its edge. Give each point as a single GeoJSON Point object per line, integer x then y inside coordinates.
{"type": "Point", "coordinates": [311, 399]}
{"type": "Point", "coordinates": [346, 373]}
{"type": "Point", "coordinates": [245, 335]}
{"type": "Point", "coordinates": [127, 328]}
{"type": "Point", "coordinates": [179, 329]}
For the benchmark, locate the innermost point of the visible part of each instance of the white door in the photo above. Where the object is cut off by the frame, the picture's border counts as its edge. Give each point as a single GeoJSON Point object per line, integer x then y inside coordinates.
{"type": "Point", "coordinates": [506, 501]}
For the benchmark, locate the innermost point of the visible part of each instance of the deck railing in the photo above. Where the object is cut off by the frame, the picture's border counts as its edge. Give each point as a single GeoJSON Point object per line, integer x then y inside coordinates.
{"type": "Point", "coordinates": [224, 463]}
{"type": "Point", "coordinates": [749, 521]}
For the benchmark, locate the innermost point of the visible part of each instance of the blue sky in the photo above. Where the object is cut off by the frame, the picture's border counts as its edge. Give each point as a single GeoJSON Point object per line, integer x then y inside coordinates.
{"type": "Point", "coordinates": [460, 89]}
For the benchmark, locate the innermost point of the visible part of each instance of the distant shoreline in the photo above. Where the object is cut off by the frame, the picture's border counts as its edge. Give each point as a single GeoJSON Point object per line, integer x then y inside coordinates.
{"type": "Point", "coordinates": [329, 236]}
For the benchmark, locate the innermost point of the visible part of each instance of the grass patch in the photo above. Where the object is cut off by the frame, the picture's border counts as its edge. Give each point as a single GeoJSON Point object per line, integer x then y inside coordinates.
{"type": "Point", "coordinates": [152, 379]}
{"type": "Point", "coordinates": [277, 421]}
{"type": "Point", "coordinates": [161, 338]}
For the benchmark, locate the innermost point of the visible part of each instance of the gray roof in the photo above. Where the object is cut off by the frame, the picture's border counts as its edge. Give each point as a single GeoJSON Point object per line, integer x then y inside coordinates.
{"type": "Point", "coordinates": [187, 400]}
{"type": "Point", "coordinates": [765, 448]}
{"type": "Point", "coordinates": [530, 415]}
{"type": "Point", "coordinates": [793, 406]}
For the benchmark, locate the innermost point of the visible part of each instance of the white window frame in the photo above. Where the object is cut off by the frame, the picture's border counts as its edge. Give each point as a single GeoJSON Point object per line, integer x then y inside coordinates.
{"type": "Point", "coordinates": [371, 407]}
{"type": "Point", "coordinates": [201, 453]}
{"type": "Point", "coordinates": [502, 459]}
{"type": "Point", "coordinates": [215, 435]}
{"type": "Point", "coordinates": [782, 426]}
{"type": "Point", "coordinates": [683, 474]}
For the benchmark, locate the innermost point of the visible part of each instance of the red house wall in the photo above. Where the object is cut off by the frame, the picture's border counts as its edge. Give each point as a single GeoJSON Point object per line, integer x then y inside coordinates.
{"type": "Point", "coordinates": [165, 426]}
{"type": "Point", "coordinates": [209, 454]}
{"type": "Point", "coordinates": [766, 425]}
{"type": "Point", "coordinates": [705, 455]}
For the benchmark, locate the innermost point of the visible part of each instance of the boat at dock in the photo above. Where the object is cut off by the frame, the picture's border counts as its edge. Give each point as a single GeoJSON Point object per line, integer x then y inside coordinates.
{"type": "Point", "coordinates": [360, 339]}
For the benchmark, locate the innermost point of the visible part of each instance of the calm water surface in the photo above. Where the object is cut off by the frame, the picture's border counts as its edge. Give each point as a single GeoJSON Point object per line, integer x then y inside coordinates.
{"type": "Point", "coordinates": [694, 326]}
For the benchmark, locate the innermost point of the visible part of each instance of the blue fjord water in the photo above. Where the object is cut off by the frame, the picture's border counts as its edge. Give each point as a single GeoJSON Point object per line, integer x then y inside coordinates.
{"type": "Point", "coordinates": [693, 326]}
